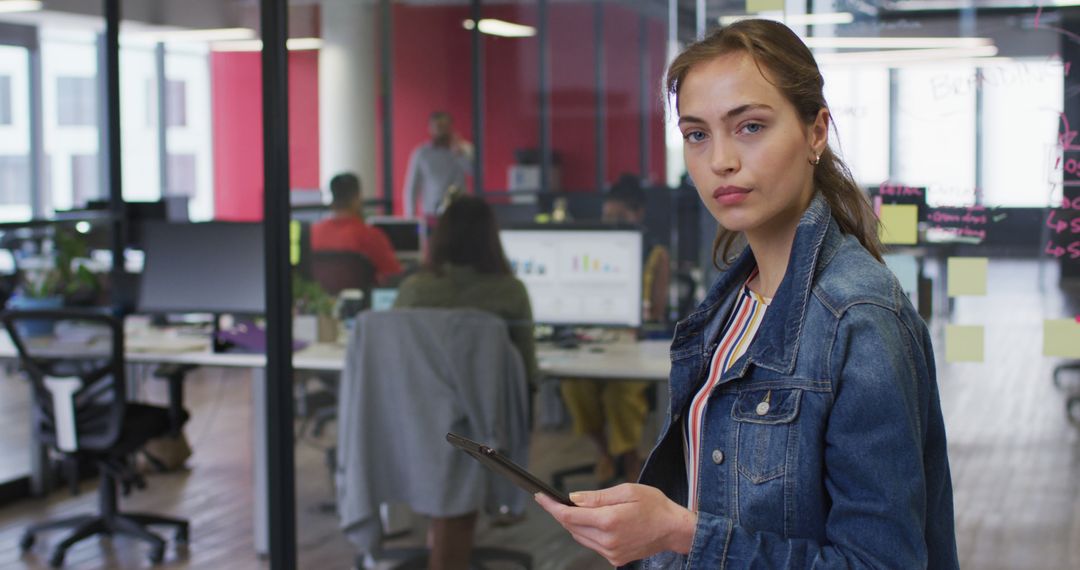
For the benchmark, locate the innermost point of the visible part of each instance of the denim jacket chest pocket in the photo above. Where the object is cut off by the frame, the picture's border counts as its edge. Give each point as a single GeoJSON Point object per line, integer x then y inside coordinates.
{"type": "Point", "coordinates": [766, 440]}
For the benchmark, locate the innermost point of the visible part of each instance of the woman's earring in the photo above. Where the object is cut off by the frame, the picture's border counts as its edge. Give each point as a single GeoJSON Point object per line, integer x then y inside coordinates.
{"type": "Point", "coordinates": [817, 159]}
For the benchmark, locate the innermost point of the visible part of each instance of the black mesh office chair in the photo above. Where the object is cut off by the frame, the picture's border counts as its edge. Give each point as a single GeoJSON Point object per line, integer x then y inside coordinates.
{"type": "Point", "coordinates": [75, 363]}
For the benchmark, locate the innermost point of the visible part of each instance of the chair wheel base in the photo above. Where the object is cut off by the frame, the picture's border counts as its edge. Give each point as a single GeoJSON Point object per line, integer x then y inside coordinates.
{"type": "Point", "coordinates": [157, 554]}
{"type": "Point", "coordinates": [181, 536]}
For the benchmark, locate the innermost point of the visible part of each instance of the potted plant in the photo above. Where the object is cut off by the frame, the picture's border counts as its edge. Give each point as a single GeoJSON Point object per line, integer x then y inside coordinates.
{"type": "Point", "coordinates": [313, 312]}
{"type": "Point", "coordinates": [51, 282]}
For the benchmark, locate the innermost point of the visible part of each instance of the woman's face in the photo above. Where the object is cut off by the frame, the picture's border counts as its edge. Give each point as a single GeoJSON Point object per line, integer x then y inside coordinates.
{"type": "Point", "coordinates": [746, 148]}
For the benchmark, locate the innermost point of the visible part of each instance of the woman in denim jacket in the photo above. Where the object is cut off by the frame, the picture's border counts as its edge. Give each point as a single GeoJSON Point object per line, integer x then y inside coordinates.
{"type": "Point", "coordinates": [805, 429]}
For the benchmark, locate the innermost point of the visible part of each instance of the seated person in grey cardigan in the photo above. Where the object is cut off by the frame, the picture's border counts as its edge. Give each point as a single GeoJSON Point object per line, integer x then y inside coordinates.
{"type": "Point", "coordinates": [466, 268]}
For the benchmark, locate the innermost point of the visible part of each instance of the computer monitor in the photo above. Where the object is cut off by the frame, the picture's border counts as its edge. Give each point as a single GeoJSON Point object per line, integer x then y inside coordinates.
{"type": "Point", "coordinates": [212, 267]}
{"type": "Point", "coordinates": [407, 235]}
{"type": "Point", "coordinates": [578, 276]}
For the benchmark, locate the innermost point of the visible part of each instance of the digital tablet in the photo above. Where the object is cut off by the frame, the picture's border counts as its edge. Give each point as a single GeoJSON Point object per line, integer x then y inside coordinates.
{"type": "Point", "coordinates": [503, 466]}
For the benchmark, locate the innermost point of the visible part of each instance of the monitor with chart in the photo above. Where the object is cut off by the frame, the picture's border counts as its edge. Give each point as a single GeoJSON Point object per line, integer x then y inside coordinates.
{"type": "Point", "coordinates": [203, 268]}
{"type": "Point", "coordinates": [579, 276]}
{"type": "Point", "coordinates": [406, 235]}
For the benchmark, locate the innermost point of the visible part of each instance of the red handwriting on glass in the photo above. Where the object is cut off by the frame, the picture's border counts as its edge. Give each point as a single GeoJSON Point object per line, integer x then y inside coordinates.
{"type": "Point", "coordinates": [1067, 135]}
{"type": "Point", "coordinates": [970, 221]}
{"type": "Point", "coordinates": [1059, 225]}
{"type": "Point", "coordinates": [888, 189]}
{"type": "Point", "coordinates": [1058, 251]}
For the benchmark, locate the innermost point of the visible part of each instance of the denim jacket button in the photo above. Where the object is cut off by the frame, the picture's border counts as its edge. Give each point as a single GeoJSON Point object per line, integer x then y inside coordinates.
{"type": "Point", "coordinates": [717, 456]}
{"type": "Point", "coordinates": [762, 408]}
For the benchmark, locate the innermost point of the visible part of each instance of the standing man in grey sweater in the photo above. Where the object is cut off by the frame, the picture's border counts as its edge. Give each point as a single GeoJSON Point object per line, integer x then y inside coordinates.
{"type": "Point", "coordinates": [437, 166]}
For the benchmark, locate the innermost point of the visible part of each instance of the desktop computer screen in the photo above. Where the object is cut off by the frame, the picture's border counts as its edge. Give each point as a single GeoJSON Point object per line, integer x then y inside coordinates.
{"type": "Point", "coordinates": [203, 268]}
{"type": "Point", "coordinates": [406, 234]}
{"type": "Point", "coordinates": [579, 276]}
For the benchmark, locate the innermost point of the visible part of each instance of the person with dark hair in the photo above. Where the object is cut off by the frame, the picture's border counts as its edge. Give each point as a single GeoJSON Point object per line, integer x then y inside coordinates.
{"type": "Point", "coordinates": [625, 204]}
{"type": "Point", "coordinates": [345, 229]}
{"type": "Point", "coordinates": [437, 166]}
{"type": "Point", "coordinates": [804, 426]}
{"type": "Point", "coordinates": [612, 413]}
{"type": "Point", "coordinates": [466, 267]}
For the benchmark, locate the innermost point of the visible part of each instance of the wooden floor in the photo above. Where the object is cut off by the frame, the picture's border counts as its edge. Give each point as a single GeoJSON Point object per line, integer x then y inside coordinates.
{"type": "Point", "coordinates": [1015, 461]}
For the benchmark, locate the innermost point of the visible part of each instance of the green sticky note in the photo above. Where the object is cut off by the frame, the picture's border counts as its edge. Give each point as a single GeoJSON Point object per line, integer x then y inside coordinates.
{"type": "Point", "coordinates": [967, 276]}
{"type": "Point", "coordinates": [1061, 337]}
{"type": "Point", "coordinates": [963, 343]}
{"type": "Point", "coordinates": [899, 223]}
{"type": "Point", "coordinates": [764, 5]}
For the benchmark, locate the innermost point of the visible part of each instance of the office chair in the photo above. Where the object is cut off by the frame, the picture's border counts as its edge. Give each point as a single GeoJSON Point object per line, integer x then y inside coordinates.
{"type": "Point", "coordinates": [338, 270]}
{"type": "Point", "coordinates": [74, 361]}
{"type": "Point", "coordinates": [410, 376]}
{"type": "Point", "coordinates": [334, 271]}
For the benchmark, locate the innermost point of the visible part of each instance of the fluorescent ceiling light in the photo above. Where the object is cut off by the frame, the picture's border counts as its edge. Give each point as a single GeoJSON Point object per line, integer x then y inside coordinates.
{"type": "Point", "coordinates": [292, 44]}
{"type": "Point", "coordinates": [8, 6]}
{"type": "Point", "coordinates": [501, 28]}
{"type": "Point", "coordinates": [301, 44]}
{"type": "Point", "coordinates": [905, 56]}
{"type": "Point", "coordinates": [823, 19]}
{"type": "Point", "coordinates": [895, 43]}
{"type": "Point", "coordinates": [203, 35]}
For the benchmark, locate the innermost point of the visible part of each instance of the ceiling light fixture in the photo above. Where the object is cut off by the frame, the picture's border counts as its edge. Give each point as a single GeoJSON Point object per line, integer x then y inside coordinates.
{"type": "Point", "coordinates": [895, 43]}
{"type": "Point", "coordinates": [203, 35]}
{"type": "Point", "coordinates": [500, 28]}
{"type": "Point", "coordinates": [9, 6]}
{"type": "Point", "coordinates": [823, 19]}
{"type": "Point", "coordinates": [291, 44]}
{"type": "Point", "coordinates": [905, 56]}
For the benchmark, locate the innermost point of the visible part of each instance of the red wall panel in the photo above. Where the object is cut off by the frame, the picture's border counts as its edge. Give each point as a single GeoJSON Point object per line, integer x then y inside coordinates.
{"type": "Point", "coordinates": [431, 72]}
{"type": "Point", "coordinates": [435, 74]}
{"type": "Point", "coordinates": [236, 93]}
{"type": "Point", "coordinates": [623, 86]}
{"type": "Point", "coordinates": [573, 94]}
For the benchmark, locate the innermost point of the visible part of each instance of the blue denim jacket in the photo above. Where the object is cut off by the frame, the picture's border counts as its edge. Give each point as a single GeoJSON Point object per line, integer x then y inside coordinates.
{"type": "Point", "coordinates": [846, 467]}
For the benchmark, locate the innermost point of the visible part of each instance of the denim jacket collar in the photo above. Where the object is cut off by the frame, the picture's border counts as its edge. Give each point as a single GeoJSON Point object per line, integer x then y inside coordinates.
{"type": "Point", "coordinates": [778, 336]}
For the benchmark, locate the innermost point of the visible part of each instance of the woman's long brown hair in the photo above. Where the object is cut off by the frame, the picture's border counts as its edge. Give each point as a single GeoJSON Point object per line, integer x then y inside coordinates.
{"type": "Point", "coordinates": [786, 62]}
{"type": "Point", "coordinates": [468, 234]}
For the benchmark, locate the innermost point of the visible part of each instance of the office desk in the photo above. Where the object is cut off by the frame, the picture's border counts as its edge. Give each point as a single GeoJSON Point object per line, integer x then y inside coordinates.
{"type": "Point", "coordinates": [646, 360]}
{"type": "Point", "coordinates": [313, 358]}
{"type": "Point", "coordinates": [642, 360]}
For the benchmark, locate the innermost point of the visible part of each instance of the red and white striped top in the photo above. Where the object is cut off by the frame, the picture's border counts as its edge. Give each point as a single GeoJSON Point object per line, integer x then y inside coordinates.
{"type": "Point", "coordinates": [734, 341]}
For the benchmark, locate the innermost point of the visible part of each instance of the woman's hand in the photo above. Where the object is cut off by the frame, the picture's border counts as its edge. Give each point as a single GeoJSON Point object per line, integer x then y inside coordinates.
{"type": "Point", "coordinates": [625, 523]}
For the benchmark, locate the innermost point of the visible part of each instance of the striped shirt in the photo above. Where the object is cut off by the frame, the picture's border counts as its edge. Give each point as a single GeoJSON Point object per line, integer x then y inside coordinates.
{"type": "Point", "coordinates": [737, 335]}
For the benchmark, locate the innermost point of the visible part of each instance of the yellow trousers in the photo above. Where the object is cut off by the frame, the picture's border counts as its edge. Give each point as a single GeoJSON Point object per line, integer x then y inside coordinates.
{"type": "Point", "coordinates": [621, 405]}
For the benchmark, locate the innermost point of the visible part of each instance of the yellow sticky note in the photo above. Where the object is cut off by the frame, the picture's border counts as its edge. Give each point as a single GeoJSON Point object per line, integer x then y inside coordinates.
{"type": "Point", "coordinates": [764, 5]}
{"type": "Point", "coordinates": [1061, 337]}
{"type": "Point", "coordinates": [294, 242]}
{"type": "Point", "coordinates": [967, 276]}
{"type": "Point", "coordinates": [963, 343]}
{"type": "Point", "coordinates": [899, 223]}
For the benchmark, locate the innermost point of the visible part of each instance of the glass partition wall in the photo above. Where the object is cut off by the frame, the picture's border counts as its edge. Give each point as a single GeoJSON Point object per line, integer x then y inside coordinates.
{"type": "Point", "coordinates": [967, 107]}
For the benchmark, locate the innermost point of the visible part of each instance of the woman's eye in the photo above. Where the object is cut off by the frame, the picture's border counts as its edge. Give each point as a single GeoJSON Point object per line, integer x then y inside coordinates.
{"type": "Point", "coordinates": [694, 136]}
{"type": "Point", "coordinates": [753, 128]}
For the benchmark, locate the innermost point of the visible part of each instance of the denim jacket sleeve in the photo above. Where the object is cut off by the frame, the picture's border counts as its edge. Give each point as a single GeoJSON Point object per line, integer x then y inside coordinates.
{"type": "Point", "coordinates": [874, 460]}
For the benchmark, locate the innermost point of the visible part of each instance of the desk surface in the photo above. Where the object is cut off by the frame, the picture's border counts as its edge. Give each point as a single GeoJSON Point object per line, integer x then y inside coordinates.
{"type": "Point", "coordinates": [644, 360]}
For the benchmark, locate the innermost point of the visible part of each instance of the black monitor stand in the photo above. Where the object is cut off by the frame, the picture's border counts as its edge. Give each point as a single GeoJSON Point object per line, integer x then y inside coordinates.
{"type": "Point", "coordinates": [217, 345]}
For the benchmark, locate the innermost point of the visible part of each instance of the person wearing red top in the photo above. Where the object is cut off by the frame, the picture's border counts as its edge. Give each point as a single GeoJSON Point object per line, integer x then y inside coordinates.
{"type": "Point", "coordinates": [345, 230]}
